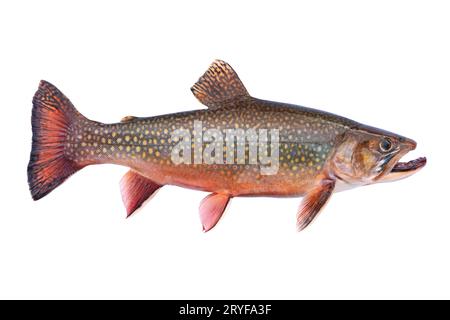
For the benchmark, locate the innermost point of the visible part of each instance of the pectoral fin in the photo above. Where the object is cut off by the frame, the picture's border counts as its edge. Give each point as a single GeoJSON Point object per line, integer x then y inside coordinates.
{"type": "Point", "coordinates": [135, 190]}
{"type": "Point", "coordinates": [313, 202]}
{"type": "Point", "coordinates": [212, 208]}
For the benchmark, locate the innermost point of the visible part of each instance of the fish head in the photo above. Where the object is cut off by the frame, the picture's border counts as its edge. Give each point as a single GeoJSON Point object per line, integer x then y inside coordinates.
{"type": "Point", "coordinates": [369, 155]}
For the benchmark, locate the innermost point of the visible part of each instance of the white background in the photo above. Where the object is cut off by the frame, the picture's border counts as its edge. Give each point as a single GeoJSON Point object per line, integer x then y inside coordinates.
{"type": "Point", "coordinates": [385, 63]}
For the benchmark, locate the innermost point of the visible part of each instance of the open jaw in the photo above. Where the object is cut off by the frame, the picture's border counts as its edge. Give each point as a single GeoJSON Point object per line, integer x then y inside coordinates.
{"type": "Point", "coordinates": [403, 170]}
{"type": "Point", "coordinates": [412, 165]}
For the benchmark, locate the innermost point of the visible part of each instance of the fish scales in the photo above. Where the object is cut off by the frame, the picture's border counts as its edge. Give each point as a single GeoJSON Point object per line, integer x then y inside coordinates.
{"type": "Point", "coordinates": [306, 141]}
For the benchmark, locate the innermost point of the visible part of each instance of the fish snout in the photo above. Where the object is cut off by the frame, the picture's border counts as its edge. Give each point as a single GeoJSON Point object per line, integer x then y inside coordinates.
{"type": "Point", "coordinates": [408, 144]}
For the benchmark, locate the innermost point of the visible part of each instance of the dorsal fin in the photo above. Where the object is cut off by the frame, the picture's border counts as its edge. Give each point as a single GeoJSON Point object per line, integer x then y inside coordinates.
{"type": "Point", "coordinates": [128, 118]}
{"type": "Point", "coordinates": [219, 84]}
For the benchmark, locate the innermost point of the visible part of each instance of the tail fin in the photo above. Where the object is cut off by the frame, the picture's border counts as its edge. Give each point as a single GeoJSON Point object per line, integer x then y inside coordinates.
{"type": "Point", "coordinates": [51, 118]}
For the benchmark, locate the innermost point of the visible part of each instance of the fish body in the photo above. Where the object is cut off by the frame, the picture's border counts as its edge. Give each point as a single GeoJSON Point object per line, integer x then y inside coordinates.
{"type": "Point", "coordinates": [238, 146]}
{"type": "Point", "coordinates": [307, 140]}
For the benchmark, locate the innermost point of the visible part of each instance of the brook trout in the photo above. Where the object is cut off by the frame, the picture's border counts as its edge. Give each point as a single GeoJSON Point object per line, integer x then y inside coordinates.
{"type": "Point", "coordinates": [237, 146]}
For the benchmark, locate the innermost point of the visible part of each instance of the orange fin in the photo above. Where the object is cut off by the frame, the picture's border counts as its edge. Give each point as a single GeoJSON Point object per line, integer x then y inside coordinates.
{"type": "Point", "coordinates": [135, 190]}
{"type": "Point", "coordinates": [219, 84]}
{"type": "Point", "coordinates": [212, 208]}
{"type": "Point", "coordinates": [313, 202]}
{"type": "Point", "coordinates": [52, 116]}
{"type": "Point", "coordinates": [128, 118]}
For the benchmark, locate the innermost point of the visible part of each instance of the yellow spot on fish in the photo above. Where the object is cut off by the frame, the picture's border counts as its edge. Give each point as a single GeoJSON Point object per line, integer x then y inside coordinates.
{"type": "Point", "coordinates": [144, 142]}
{"type": "Point", "coordinates": [112, 148]}
{"type": "Point", "coordinates": [114, 134]}
{"type": "Point", "coordinates": [150, 150]}
{"type": "Point", "coordinates": [166, 131]}
{"type": "Point", "coordinates": [104, 150]}
{"type": "Point", "coordinates": [83, 144]}
{"type": "Point", "coordinates": [318, 167]}
{"type": "Point", "coordinates": [135, 139]}
{"type": "Point", "coordinates": [119, 140]}
{"type": "Point", "coordinates": [163, 141]}
{"type": "Point", "coordinates": [128, 148]}
{"type": "Point", "coordinates": [103, 140]}
{"type": "Point", "coordinates": [144, 155]}
{"type": "Point", "coordinates": [310, 164]}
{"type": "Point", "coordinates": [127, 138]}
{"type": "Point", "coordinates": [109, 141]}
{"type": "Point", "coordinates": [120, 148]}
{"type": "Point", "coordinates": [157, 153]}
{"type": "Point", "coordinates": [147, 132]}
{"type": "Point", "coordinates": [138, 149]}
{"type": "Point", "coordinates": [302, 159]}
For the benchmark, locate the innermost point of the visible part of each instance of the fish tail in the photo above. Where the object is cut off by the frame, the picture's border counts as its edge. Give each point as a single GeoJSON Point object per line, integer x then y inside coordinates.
{"type": "Point", "coordinates": [52, 118]}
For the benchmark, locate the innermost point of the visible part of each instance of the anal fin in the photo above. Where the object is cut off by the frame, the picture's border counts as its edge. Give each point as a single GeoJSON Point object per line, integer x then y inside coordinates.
{"type": "Point", "coordinates": [135, 189]}
{"type": "Point", "coordinates": [313, 202]}
{"type": "Point", "coordinates": [212, 208]}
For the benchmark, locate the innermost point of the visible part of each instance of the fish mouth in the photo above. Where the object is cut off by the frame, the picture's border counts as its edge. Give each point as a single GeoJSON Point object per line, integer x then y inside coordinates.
{"type": "Point", "coordinates": [410, 165]}
{"type": "Point", "coordinates": [402, 170]}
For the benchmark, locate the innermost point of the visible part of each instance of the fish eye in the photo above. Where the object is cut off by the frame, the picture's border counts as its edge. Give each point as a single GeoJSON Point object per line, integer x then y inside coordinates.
{"type": "Point", "coordinates": [386, 145]}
